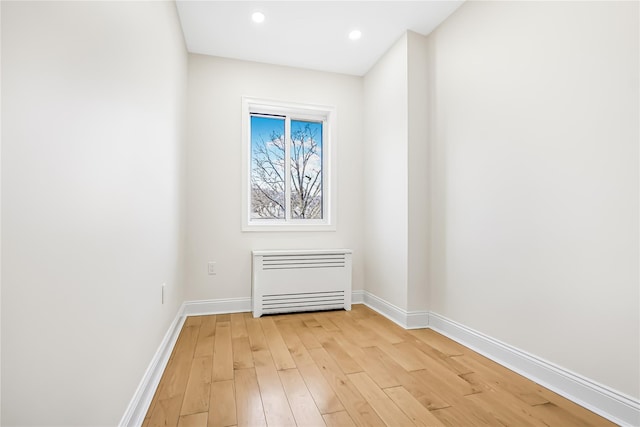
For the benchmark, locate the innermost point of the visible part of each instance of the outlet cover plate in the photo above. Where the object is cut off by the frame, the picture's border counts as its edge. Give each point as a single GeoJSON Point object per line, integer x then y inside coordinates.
{"type": "Point", "coordinates": [211, 268]}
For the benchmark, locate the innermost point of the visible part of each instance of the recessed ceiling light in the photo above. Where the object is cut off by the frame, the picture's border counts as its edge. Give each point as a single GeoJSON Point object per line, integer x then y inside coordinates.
{"type": "Point", "coordinates": [355, 34]}
{"type": "Point", "coordinates": [257, 17]}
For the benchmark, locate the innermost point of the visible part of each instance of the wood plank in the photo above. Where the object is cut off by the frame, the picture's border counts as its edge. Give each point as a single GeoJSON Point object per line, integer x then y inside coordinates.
{"type": "Point", "coordinates": [193, 420]}
{"type": "Point", "coordinates": [196, 397]}
{"type": "Point", "coordinates": [416, 412]}
{"type": "Point", "coordinates": [325, 322]}
{"type": "Point", "coordinates": [238, 326]}
{"type": "Point", "coordinates": [307, 337]}
{"type": "Point", "coordinates": [256, 336]}
{"type": "Point", "coordinates": [405, 356]}
{"type": "Point", "coordinates": [223, 353]}
{"type": "Point", "coordinates": [466, 414]}
{"type": "Point", "coordinates": [559, 414]}
{"type": "Point", "coordinates": [249, 411]}
{"type": "Point", "coordinates": [145, 421]}
{"type": "Point", "coordinates": [358, 408]}
{"type": "Point", "coordinates": [279, 351]}
{"type": "Point", "coordinates": [450, 387]}
{"type": "Point", "coordinates": [422, 392]}
{"type": "Point", "coordinates": [204, 346]}
{"type": "Point", "coordinates": [370, 363]}
{"type": "Point", "coordinates": [274, 400]}
{"type": "Point", "coordinates": [320, 333]}
{"type": "Point", "coordinates": [302, 405]}
{"type": "Point", "coordinates": [166, 412]}
{"type": "Point", "coordinates": [449, 362]}
{"type": "Point", "coordinates": [322, 393]}
{"type": "Point", "coordinates": [338, 419]}
{"type": "Point", "coordinates": [193, 321]}
{"type": "Point", "coordinates": [439, 342]}
{"type": "Point", "coordinates": [360, 311]}
{"type": "Point", "coordinates": [311, 322]}
{"type": "Point", "coordinates": [490, 374]}
{"type": "Point", "coordinates": [167, 401]}
{"type": "Point", "coordinates": [358, 335]}
{"type": "Point", "coordinates": [294, 344]}
{"type": "Point", "coordinates": [242, 357]}
{"type": "Point", "coordinates": [379, 401]}
{"type": "Point", "coordinates": [175, 378]}
{"type": "Point", "coordinates": [386, 330]}
{"type": "Point", "coordinates": [514, 411]}
{"type": "Point", "coordinates": [500, 378]}
{"type": "Point", "coordinates": [477, 382]}
{"type": "Point", "coordinates": [438, 373]}
{"type": "Point", "coordinates": [222, 406]}
{"type": "Point", "coordinates": [348, 364]}
{"type": "Point", "coordinates": [187, 340]}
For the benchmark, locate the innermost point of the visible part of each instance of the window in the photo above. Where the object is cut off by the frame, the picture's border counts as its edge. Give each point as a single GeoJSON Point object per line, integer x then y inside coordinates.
{"type": "Point", "coordinates": [287, 172]}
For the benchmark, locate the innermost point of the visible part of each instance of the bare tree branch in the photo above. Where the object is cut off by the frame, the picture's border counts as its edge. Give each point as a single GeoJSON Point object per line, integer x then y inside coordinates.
{"type": "Point", "coordinates": [305, 180]}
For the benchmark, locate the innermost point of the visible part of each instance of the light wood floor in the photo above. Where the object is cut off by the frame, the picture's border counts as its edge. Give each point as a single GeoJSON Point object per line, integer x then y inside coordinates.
{"type": "Point", "coordinates": [342, 368]}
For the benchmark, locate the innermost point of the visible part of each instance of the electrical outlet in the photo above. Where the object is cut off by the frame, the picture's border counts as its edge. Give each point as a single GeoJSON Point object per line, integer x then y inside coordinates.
{"type": "Point", "coordinates": [211, 268]}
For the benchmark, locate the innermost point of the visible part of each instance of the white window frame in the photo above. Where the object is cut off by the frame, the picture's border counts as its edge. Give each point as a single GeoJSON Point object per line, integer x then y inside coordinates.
{"type": "Point", "coordinates": [293, 111]}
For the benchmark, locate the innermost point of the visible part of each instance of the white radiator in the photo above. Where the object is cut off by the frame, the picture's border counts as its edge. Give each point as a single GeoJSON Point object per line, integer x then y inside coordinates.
{"type": "Point", "coordinates": [290, 281]}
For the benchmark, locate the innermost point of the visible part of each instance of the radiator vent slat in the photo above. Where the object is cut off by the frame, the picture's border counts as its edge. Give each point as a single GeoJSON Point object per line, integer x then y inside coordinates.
{"type": "Point", "coordinates": [303, 261]}
{"type": "Point", "coordinates": [287, 305]}
{"type": "Point", "coordinates": [295, 266]}
{"type": "Point", "coordinates": [288, 281]}
{"type": "Point", "coordinates": [308, 295]}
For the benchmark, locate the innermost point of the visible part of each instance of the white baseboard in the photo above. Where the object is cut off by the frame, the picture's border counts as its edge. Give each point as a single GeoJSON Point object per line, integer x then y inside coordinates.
{"type": "Point", "coordinates": [406, 319]}
{"type": "Point", "coordinates": [357, 297]}
{"type": "Point", "coordinates": [217, 306]}
{"type": "Point", "coordinates": [615, 406]}
{"type": "Point", "coordinates": [237, 305]}
{"type": "Point", "coordinates": [417, 320]}
{"type": "Point", "coordinates": [139, 405]}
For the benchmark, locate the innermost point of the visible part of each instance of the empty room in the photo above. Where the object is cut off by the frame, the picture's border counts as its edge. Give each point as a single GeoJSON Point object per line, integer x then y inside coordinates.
{"type": "Point", "coordinates": [319, 213]}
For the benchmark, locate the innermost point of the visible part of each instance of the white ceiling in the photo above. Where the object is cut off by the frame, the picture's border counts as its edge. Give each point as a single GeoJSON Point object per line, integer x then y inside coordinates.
{"type": "Point", "coordinates": [307, 34]}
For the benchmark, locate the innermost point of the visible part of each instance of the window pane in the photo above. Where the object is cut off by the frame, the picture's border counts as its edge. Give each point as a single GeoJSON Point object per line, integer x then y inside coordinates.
{"type": "Point", "coordinates": [306, 169]}
{"type": "Point", "coordinates": [267, 167]}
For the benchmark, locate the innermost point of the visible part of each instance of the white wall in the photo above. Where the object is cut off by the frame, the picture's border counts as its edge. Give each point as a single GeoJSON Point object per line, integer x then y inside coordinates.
{"type": "Point", "coordinates": [535, 180]}
{"type": "Point", "coordinates": [417, 173]}
{"type": "Point", "coordinates": [214, 178]}
{"type": "Point", "coordinates": [386, 162]}
{"type": "Point", "coordinates": [396, 175]}
{"type": "Point", "coordinates": [93, 106]}
{"type": "Point", "coordinates": [0, 220]}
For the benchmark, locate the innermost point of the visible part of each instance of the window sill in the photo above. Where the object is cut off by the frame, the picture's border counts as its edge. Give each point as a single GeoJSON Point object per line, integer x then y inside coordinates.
{"type": "Point", "coordinates": [287, 227]}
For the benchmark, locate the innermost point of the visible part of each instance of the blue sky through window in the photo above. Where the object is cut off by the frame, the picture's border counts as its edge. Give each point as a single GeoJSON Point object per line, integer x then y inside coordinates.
{"type": "Point", "coordinates": [306, 169]}
{"type": "Point", "coordinates": [267, 167]}
{"type": "Point", "coordinates": [262, 128]}
{"type": "Point", "coordinates": [315, 129]}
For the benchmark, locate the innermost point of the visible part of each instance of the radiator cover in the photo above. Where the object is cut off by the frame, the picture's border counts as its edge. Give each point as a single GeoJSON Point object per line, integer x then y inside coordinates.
{"type": "Point", "coordinates": [300, 280]}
